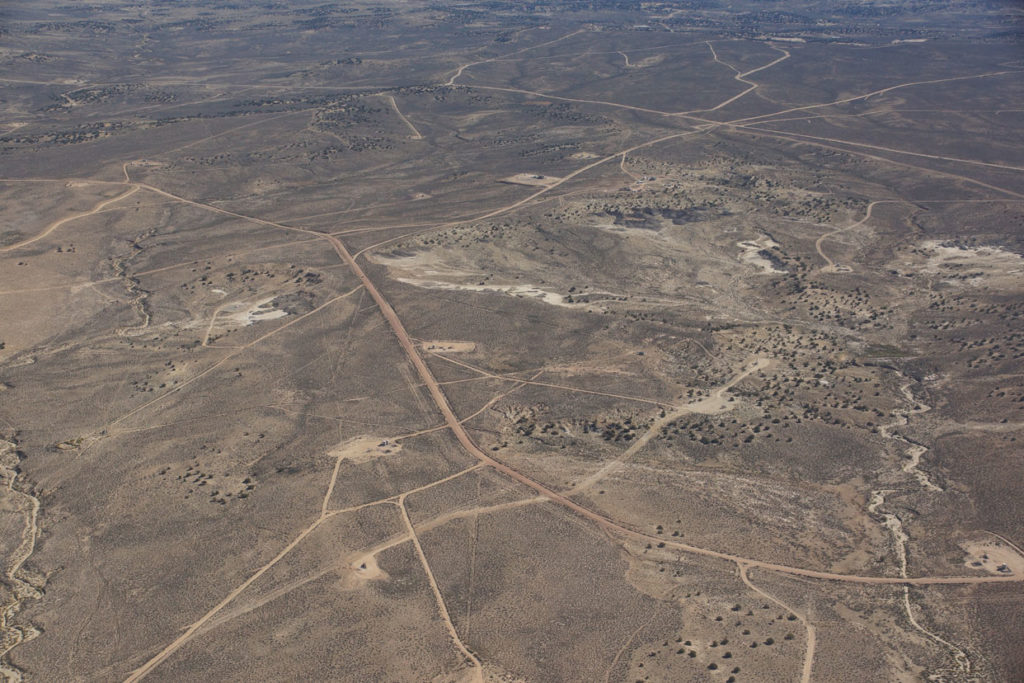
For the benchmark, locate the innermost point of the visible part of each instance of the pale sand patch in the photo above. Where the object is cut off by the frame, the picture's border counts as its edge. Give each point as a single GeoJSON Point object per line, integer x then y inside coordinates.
{"type": "Point", "coordinates": [646, 62]}
{"type": "Point", "coordinates": [976, 263]}
{"type": "Point", "coordinates": [412, 269]}
{"type": "Point", "coordinates": [993, 556]}
{"type": "Point", "coordinates": [520, 291]}
{"type": "Point", "coordinates": [531, 179]}
{"type": "Point", "coordinates": [752, 253]}
{"type": "Point", "coordinates": [364, 449]}
{"type": "Point", "coordinates": [249, 312]}
{"type": "Point", "coordinates": [449, 346]}
{"type": "Point", "coordinates": [630, 231]}
{"type": "Point", "coordinates": [358, 570]}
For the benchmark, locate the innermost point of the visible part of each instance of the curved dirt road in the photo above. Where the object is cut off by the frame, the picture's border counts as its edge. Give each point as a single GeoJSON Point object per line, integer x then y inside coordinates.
{"type": "Point", "coordinates": [56, 224]}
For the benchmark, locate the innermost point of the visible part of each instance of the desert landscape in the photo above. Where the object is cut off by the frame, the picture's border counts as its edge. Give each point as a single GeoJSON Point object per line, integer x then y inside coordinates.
{"type": "Point", "coordinates": [512, 342]}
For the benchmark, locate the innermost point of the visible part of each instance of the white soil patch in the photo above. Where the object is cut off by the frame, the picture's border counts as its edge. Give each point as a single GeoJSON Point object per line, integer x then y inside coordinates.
{"type": "Point", "coordinates": [532, 179]}
{"type": "Point", "coordinates": [647, 61]}
{"type": "Point", "coordinates": [235, 314]}
{"type": "Point", "coordinates": [993, 556]}
{"type": "Point", "coordinates": [584, 155]}
{"type": "Point", "coordinates": [978, 263]}
{"type": "Point", "coordinates": [358, 570]}
{"type": "Point", "coordinates": [628, 231]}
{"type": "Point", "coordinates": [449, 346]}
{"type": "Point", "coordinates": [418, 271]}
{"type": "Point", "coordinates": [364, 449]}
{"type": "Point", "coordinates": [520, 291]}
{"type": "Point", "coordinates": [751, 254]}
{"type": "Point", "coordinates": [249, 312]}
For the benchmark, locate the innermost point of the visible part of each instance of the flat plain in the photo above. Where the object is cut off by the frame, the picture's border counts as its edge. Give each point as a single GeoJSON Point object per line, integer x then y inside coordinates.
{"type": "Point", "coordinates": [495, 341]}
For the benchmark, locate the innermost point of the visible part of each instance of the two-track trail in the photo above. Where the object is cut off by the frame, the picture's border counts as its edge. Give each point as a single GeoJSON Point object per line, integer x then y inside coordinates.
{"type": "Point", "coordinates": [832, 267]}
{"type": "Point", "coordinates": [805, 674]}
{"type": "Point", "coordinates": [56, 224]}
{"type": "Point", "coordinates": [741, 77]}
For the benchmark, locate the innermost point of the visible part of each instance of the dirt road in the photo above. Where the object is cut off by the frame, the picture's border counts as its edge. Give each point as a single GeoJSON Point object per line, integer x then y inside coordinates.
{"type": "Point", "coordinates": [56, 224]}
{"type": "Point", "coordinates": [714, 403]}
{"type": "Point", "coordinates": [831, 267]}
{"type": "Point", "coordinates": [805, 674]}
{"type": "Point", "coordinates": [741, 77]}
{"type": "Point", "coordinates": [394, 105]}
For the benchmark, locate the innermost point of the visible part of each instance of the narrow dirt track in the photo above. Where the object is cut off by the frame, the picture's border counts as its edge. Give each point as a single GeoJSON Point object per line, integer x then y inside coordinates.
{"type": "Point", "coordinates": [325, 514]}
{"type": "Point", "coordinates": [893, 150]}
{"type": "Point", "coordinates": [56, 224]}
{"type": "Point", "coordinates": [438, 597]}
{"type": "Point", "coordinates": [812, 639]}
{"type": "Point", "coordinates": [831, 267]}
{"type": "Point", "coordinates": [458, 72]}
{"type": "Point", "coordinates": [394, 105]}
{"type": "Point", "coordinates": [741, 77]}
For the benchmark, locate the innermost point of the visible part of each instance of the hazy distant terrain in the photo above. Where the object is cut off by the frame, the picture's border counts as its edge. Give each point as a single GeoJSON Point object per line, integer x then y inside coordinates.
{"type": "Point", "coordinates": [502, 341]}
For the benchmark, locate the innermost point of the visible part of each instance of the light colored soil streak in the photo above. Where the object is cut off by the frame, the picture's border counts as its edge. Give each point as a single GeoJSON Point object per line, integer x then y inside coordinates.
{"type": "Point", "coordinates": [915, 451]}
{"type": "Point", "coordinates": [625, 645]}
{"type": "Point", "coordinates": [415, 133]}
{"type": "Point", "coordinates": [895, 525]}
{"type": "Point", "coordinates": [19, 589]}
{"type": "Point", "coordinates": [963, 663]}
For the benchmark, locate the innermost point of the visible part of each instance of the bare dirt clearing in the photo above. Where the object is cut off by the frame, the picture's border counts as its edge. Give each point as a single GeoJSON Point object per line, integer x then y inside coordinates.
{"type": "Point", "coordinates": [531, 180]}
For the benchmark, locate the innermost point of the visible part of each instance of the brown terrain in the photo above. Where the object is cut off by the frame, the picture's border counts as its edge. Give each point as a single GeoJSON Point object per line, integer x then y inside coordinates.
{"type": "Point", "coordinates": [577, 341]}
